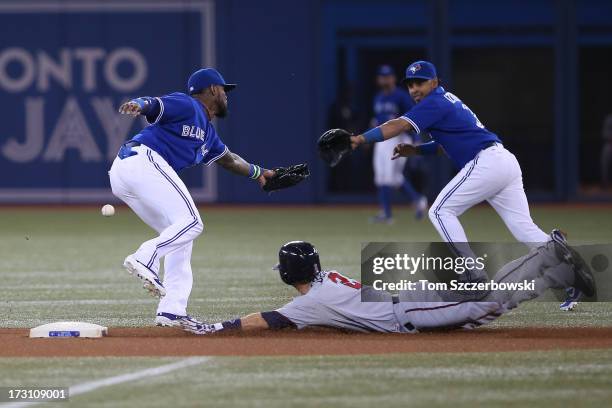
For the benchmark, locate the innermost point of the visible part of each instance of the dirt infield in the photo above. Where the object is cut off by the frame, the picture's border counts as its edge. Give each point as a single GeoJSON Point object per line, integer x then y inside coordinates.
{"type": "Point", "coordinates": [154, 341]}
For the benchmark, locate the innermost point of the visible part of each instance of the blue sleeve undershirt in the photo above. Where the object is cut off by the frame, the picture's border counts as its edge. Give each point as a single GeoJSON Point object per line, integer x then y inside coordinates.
{"type": "Point", "coordinates": [276, 320]}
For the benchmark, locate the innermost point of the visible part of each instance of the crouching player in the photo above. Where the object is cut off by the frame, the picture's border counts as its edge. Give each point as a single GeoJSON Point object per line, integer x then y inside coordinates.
{"type": "Point", "coordinates": [328, 298]}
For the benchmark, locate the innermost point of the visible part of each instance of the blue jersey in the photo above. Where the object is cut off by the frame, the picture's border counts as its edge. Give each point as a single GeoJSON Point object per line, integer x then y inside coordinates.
{"type": "Point", "coordinates": [390, 106]}
{"type": "Point", "coordinates": [451, 124]}
{"type": "Point", "coordinates": [181, 133]}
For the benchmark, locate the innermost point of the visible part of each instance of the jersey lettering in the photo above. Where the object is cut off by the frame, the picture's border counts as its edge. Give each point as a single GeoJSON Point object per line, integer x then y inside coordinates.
{"type": "Point", "coordinates": [193, 131]}
{"type": "Point", "coordinates": [453, 99]}
{"type": "Point", "coordinates": [343, 280]}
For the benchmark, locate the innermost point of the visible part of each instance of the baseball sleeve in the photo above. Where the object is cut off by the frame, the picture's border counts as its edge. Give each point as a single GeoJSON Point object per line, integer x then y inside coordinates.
{"type": "Point", "coordinates": [301, 311]}
{"type": "Point", "coordinates": [213, 148]}
{"type": "Point", "coordinates": [175, 107]}
{"type": "Point", "coordinates": [425, 114]}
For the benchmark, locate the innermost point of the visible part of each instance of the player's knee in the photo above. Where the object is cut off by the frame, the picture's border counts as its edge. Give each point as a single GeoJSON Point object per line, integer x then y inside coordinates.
{"type": "Point", "coordinates": [437, 212]}
{"type": "Point", "coordinates": [432, 214]}
{"type": "Point", "coordinates": [198, 228]}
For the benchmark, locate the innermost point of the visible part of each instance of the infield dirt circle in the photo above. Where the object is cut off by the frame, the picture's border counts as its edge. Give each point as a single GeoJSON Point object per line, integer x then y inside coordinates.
{"type": "Point", "coordinates": [160, 341]}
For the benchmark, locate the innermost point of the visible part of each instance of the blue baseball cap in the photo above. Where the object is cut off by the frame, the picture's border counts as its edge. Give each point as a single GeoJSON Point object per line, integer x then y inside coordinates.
{"type": "Point", "coordinates": [420, 70]}
{"type": "Point", "coordinates": [385, 70]}
{"type": "Point", "coordinates": [205, 77]}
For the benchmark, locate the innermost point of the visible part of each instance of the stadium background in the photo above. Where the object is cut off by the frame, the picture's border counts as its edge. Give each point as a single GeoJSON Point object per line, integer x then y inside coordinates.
{"type": "Point", "coordinates": [535, 72]}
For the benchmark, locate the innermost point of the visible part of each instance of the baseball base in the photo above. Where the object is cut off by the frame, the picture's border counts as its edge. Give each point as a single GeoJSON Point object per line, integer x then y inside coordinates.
{"type": "Point", "coordinates": [68, 329]}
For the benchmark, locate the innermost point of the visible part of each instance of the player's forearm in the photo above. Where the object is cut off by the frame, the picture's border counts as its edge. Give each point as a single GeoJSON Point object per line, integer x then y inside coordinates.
{"type": "Point", "coordinates": [144, 105]}
{"type": "Point", "coordinates": [237, 165]}
{"type": "Point", "coordinates": [430, 148]}
{"type": "Point", "coordinates": [234, 163]}
{"type": "Point", "coordinates": [394, 127]}
{"type": "Point", "coordinates": [387, 130]}
{"type": "Point", "coordinates": [254, 321]}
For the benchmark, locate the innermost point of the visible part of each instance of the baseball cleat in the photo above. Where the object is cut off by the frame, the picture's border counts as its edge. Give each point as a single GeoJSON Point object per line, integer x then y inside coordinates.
{"type": "Point", "coordinates": [583, 278]}
{"type": "Point", "coordinates": [381, 219]}
{"type": "Point", "coordinates": [149, 278]}
{"type": "Point", "coordinates": [171, 320]}
{"type": "Point", "coordinates": [572, 299]}
{"type": "Point", "coordinates": [195, 327]}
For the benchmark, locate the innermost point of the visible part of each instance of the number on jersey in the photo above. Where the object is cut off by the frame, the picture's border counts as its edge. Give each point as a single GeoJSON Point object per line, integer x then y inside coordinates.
{"type": "Point", "coordinates": [343, 280]}
{"type": "Point", "coordinates": [452, 98]}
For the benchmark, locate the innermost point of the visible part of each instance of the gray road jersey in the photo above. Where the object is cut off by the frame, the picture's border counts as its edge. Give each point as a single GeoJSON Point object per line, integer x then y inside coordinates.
{"type": "Point", "coordinates": [335, 301]}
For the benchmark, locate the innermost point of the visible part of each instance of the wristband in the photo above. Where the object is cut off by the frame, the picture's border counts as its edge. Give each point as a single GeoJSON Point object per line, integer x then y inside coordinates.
{"type": "Point", "coordinates": [254, 171]}
{"type": "Point", "coordinates": [374, 135]}
{"type": "Point", "coordinates": [144, 103]}
{"type": "Point", "coordinates": [228, 325]}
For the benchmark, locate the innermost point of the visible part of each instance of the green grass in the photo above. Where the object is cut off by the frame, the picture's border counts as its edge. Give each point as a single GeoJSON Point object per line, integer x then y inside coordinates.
{"type": "Point", "coordinates": [66, 265]}
{"type": "Point", "coordinates": [441, 379]}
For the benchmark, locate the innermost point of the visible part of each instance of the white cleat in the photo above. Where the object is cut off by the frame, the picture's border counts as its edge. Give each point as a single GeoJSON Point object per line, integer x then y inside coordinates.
{"type": "Point", "coordinates": [171, 320]}
{"type": "Point", "coordinates": [149, 278]}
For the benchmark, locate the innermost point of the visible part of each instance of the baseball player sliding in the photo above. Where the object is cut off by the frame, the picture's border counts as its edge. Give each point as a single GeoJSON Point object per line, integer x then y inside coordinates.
{"type": "Point", "coordinates": [144, 176]}
{"type": "Point", "coordinates": [328, 298]}
{"type": "Point", "coordinates": [487, 170]}
{"type": "Point", "coordinates": [389, 103]}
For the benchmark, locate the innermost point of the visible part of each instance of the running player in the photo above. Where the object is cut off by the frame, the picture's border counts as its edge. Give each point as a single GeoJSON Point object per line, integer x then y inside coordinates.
{"type": "Point", "coordinates": [389, 103]}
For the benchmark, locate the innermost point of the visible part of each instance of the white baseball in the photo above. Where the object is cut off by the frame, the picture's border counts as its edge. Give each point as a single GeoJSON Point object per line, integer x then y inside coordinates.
{"type": "Point", "coordinates": [108, 210]}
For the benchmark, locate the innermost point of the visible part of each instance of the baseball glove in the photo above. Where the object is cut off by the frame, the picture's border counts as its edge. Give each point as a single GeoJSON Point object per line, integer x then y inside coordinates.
{"type": "Point", "coordinates": [286, 177]}
{"type": "Point", "coordinates": [334, 145]}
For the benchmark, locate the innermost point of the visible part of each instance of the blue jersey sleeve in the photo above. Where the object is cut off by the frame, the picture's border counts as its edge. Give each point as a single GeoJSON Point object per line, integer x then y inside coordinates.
{"type": "Point", "coordinates": [426, 113]}
{"type": "Point", "coordinates": [176, 107]}
{"type": "Point", "coordinates": [212, 150]}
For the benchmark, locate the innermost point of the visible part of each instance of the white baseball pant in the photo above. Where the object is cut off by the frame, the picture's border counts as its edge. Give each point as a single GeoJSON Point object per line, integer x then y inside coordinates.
{"type": "Point", "coordinates": [153, 190]}
{"type": "Point", "coordinates": [388, 172]}
{"type": "Point", "coordinates": [493, 175]}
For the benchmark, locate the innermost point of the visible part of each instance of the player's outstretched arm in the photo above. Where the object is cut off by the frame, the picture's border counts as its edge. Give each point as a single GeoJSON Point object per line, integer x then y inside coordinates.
{"type": "Point", "coordinates": [252, 322]}
{"type": "Point", "coordinates": [237, 165]}
{"type": "Point", "coordinates": [144, 105]}
{"type": "Point", "coordinates": [426, 149]}
{"type": "Point", "coordinates": [381, 133]}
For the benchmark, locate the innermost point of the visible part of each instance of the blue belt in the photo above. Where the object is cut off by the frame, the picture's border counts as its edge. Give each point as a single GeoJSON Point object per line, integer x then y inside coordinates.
{"type": "Point", "coordinates": [126, 151]}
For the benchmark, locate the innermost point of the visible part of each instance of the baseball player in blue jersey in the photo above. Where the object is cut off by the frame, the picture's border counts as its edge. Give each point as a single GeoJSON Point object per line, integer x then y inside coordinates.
{"type": "Point", "coordinates": [487, 171]}
{"type": "Point", "coordinates": [389, 103]}
{"type": "Point", "coordinates": [144, 176]}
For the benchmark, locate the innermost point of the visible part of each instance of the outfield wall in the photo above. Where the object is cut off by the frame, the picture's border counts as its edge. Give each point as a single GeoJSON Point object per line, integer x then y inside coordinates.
{"type": "Point", "coordinates": [66, 66]}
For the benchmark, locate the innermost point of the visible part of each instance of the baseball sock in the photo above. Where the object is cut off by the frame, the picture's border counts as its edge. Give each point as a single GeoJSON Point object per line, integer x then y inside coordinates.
{"type": "Point", "coordinates": [384, 198]}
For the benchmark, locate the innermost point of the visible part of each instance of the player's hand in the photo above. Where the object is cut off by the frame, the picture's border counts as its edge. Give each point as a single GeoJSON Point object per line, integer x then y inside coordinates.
{"type": "Point", "coordinates": [133, 107]}
{"type": "Point", "coordinates": [266, 174]}
{"type": "Point", "coordinates": [356, 141]}
{"type": "Point", "coordinates": [403, 150]}
{"type": "Point", "coordinates": [196, 327]}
